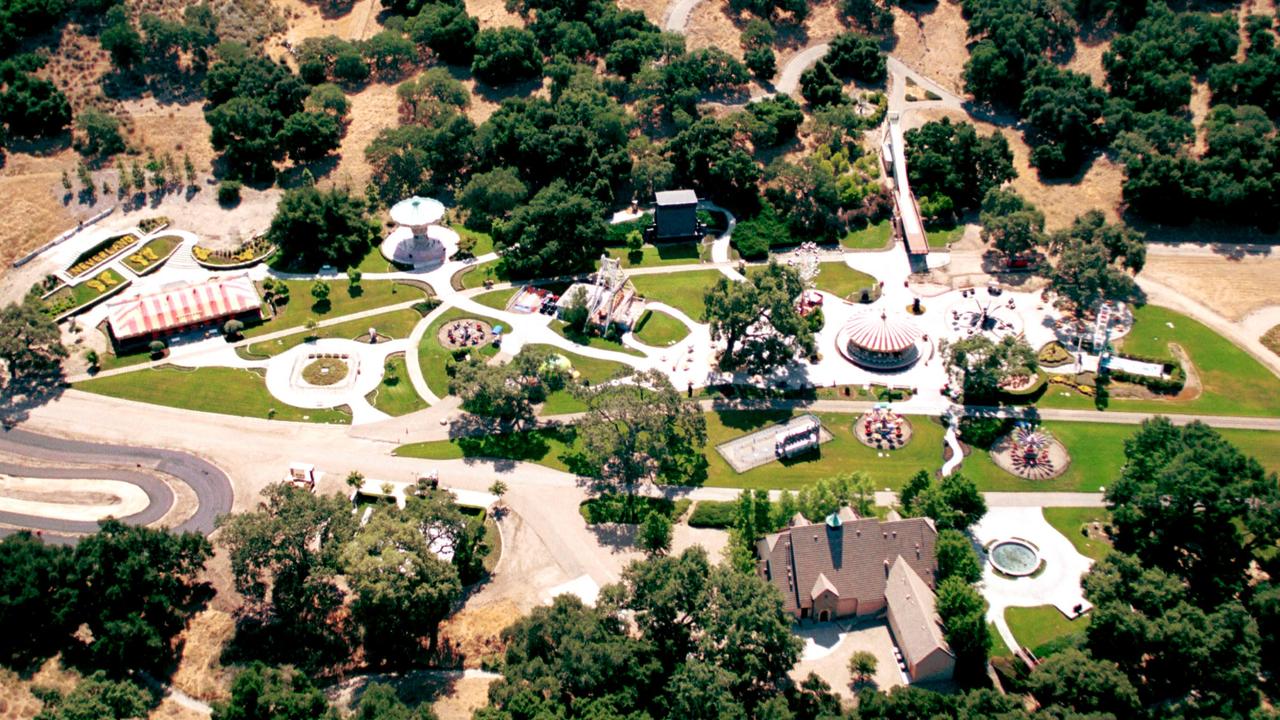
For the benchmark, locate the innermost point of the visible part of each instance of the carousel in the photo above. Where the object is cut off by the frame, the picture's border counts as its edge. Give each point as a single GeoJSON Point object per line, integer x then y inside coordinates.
{"type": "Point", "coordinates": [419, 242]}
{"type": "Point", "coordinates": [878, 340]}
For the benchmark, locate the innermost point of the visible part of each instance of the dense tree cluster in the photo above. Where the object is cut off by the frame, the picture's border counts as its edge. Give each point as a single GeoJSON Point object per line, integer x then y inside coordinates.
{"type": "Point", "coordinates": [1013, 37]}
{"type": "Point", "coordinates": [163, 48]}
{"type": "Point", "coordinates": [422, 158]}
{"type": "Point", "coordinates": [1255, 80]}
{"type": "Point", "coordinates": [1094, 259]}
{"type": "Point", "coordinates": [315, 227]}
{"type": "Point", "coordinates": [821, 196]}
{"type": "Point", "coordinates": [132, 588]}
{"type": "Point", "coordinates": [1011, 223]}
{"type": "Point", "coordinates": [707, 642]}
{"type": "Point", "coordinates": [715, 159]}
{"type": "Point", "coordinates": [30, 107]}
{"type": "Point", "coordinates": [554, 233]}
{"type": "Point", "coordinates": [951, 167]}
{"type": "Point", "coordinates": [252, 104]}
{"type": "Point", "coordinates": [287, 556]}
{"type": "Point", "coordinates": [757, 46]}
{"type": "Point", "coordinates": [757, 321]}
{"type": "Point", "coordinates": [507, 392]}
{"type": "Point", "coordinates": [953, 503]}
{"type": "Point", "coordinates": [856, 57]}
{"type": "Point", "coordinates": [447, 29]}
{"type": "Point", "coordinates": [1064, 109]}
{"type": "Point", "coordinates": [31, 347]}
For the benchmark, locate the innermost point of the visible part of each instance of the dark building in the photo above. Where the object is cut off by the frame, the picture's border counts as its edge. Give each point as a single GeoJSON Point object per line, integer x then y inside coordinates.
{"type": "Point", "coordinates": [676, 216]}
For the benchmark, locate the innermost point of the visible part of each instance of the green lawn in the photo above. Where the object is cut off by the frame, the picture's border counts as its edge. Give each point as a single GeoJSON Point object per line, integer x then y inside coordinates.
{"type": "Point", "coordinates": [1043, 628]}
{"type": "Point", "coordinates": [374, 262]}
{"type": "Point", "coordinates": [998, 646]}
{"type": "Point", "coordinates": [396, 398]}
{"type": "Point", "coordinates": [301, 308]}
{"type": "Point", "coordinates": [230, 391]}
{"type": "Point", "coordinates": [592, 370]}
{"type": "Point", "coordinates": [941, 237]}
{"type": "Point", "coordinates": [483, 241]}
{"type": "Point", "coordinates": [395, 324]}
{"type": "Point", "coordinates": [1234, 383]}
{"type": "Point", "coordinates": [1069, 521]}
{"type": "Point", "coordinates": [683, 291]}
{"type": "Point", "coordinates": [433, 358]}
{"type": "Point", "coordinates": [1097, 453]}
{"type": "Point", "coordinates": [841, 280]}
{"type": "Point", "coordinates": [843, 454]}
{"type": "Point", "coordinates": [161, 248]}
{"type": "Point", "coordinates": [595, 341]}
{"type": "Point", "coordinates": [680, 253]}
{"type": "Point", "coordinates": [496, 299]}
{"type": "Point", "coordinates": [871, 237]}
{"type": "Point", "coordinates": [659, 329]}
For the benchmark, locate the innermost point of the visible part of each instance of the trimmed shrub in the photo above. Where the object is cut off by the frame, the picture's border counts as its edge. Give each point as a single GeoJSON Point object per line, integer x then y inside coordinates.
{"type": "Point", "coordinates": [713, 514]}
{"type": "Point", "coordinates": [229, 192]}
{"type": "Point", "coordinates": [983, 432]}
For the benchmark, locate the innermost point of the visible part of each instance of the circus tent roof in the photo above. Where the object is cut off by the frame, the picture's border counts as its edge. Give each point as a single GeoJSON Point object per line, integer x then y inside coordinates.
{"type": "Point", "coordinates": [183, 306]}
{"type": "Point", "coordinates": [878, 331]}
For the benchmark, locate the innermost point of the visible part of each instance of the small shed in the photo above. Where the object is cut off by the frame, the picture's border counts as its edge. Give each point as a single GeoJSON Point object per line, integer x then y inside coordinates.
{"type": "Point", "coordinates": [675, 216]}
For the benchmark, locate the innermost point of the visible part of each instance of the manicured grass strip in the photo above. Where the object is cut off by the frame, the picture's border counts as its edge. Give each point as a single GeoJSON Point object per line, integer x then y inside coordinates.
{"type": "Point", "coordinates": [841, 280]}
{"type": "Point", "coordinates": [592, 370]}
{"type": "Point", "coordinates": [545, 447]}
{"type": "Point", "coordinates": [1234, 383]}
{"type": "Point", "coordinates": [941, 237]}
{"type": "Point", "coordinates": [1043, 628]}
{"type": "Point", "coordinates": [1097, 453]}
{"type": "Point", "coordinates": [496, 299]}
{"type": "Point", "coordinates": [1261, 445]}
{"type": "Point", "coordinates": [396, 398]}
{"type": "Point", "coordinates": [300, 308]}
{"type": "Point", "coordinates": [433, 358]}
{"type": "Point", "coordinates": [680, 253]}
{"type": "Point", "coordinates": [659, 329]}
{"type": "Point", "coordinates": [998, 646]}
{"type": "Point", "coordinates": [231, 391]}
{"type": "Point", "coordinates": [1070, 520]}
{"type": "Point", "coordinates": [560, 328]}
{"type": "Point", "coordinates": [681, 290]}
{"type": "Point", "coordinates": [871, 237]}
{"type": "Point", "coordinates": [612, 508]}
{"type": "Point", "coordinates": [483, 241]}
{"type": "Point", "coordinates": [396, 324]}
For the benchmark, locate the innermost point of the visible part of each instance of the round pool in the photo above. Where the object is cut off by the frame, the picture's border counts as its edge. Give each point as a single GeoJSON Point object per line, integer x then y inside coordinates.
{"type": "Point", "coordinates": [1014, 557]}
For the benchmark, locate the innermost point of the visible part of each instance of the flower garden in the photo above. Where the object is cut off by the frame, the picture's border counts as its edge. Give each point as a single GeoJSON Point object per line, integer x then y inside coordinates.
{"type": "Point", "coordinates": [247, 253]}
{"type": "Point", "coordinates": [152, 255]}
{"type": "Point", "coordinates": [69, 298]}
{"type": "Point", "coordinates": [100, 253]}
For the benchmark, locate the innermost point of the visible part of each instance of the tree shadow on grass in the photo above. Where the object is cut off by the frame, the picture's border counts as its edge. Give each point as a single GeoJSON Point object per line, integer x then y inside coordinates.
{"type": "Point", "coordinates": [751, 420]}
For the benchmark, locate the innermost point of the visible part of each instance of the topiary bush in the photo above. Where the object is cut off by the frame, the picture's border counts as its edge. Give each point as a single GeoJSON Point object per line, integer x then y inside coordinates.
{"type": "Point", "coordinates": [713, 514]}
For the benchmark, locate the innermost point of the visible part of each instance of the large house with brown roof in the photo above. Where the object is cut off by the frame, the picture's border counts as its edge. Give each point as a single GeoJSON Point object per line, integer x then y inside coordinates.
{"type": "Point", "coordinates": [852, 566]}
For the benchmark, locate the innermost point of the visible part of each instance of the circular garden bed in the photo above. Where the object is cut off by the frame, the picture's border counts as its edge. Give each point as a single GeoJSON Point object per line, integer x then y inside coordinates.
{"type": "Point", "coordinates": [325, 371]}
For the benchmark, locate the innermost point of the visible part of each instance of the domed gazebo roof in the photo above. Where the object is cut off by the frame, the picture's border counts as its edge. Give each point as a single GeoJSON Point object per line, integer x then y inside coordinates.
{"type": "Point", "coordinates": [878, 331]}
{"type": "Point", "coordinates": [417, 211]}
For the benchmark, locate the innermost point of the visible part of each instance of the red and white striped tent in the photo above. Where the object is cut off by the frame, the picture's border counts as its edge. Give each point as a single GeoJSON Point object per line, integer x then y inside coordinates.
{"type": "Point", "coordinates": [880, 332]}
{"type": "Point", "coordinates": [182, 307]}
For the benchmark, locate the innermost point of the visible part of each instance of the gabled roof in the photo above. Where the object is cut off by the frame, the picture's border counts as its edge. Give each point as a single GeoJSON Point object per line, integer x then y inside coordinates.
{"type": "Point", "coordinates": [914, 613]}
{"type": "Point", "coordinates": [854, 557]}
{"type": "Point", "coordinates": [821, 585]}
{"type": "Point", "coordinates": [676, 197]}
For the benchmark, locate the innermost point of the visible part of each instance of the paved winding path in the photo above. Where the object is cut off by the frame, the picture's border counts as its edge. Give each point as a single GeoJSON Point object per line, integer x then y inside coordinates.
{"type": "Point", "coordinates": [211, 486]}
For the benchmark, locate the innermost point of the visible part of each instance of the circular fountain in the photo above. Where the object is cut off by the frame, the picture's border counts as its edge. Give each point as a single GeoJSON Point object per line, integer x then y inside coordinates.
{"type": "Point", "coordinates": [1016, 558]}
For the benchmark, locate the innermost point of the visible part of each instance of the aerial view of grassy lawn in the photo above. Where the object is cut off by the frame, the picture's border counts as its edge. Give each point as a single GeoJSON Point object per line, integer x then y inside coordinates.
{"type": "Point", "coordinates": [148, 257]}
{"type": "Point", "coordinates": [433, 358]}
{"type": "Point", "coordinates": [678, 253]}
{"type": "Point", "coordinates": [842, 454]}
{"type": "Point", "coordinates": [681, 290]}
{"type": "Point", "coordinates": [941, 237]}
{"type": "Point", "coordinates": [560, 328]}
{"type": "Point", "coordinates": [871, 237]}
{"type": "Point", "coordinates": [592, 370]}
{"type": "Point", "coordinates": [1097, 453]}
{"type": "Point", "coordinates": [1069, 521]}
{"type": "Point", "coordinates": [301, 308]}
{"type": "Point", "coordinates": [396, 398]}
{"type": "Point", "coordinates": [496, 299]}
{"type": "Point", "coordinates": [1043, 628]}
{"type": "Point", "coordinates": [545, 446]}
{"type": "Point", "coordinates": [395, 324]}
{"type": "Point", "coordinates": [483, 241]}
{"type": "Point", "coordinates": [1234, 383]}
{"type": "Point", "coordinates": [231, 391]}
{"type": "Point", "coordinates": [998, 646]}
{"type": "Point", "coordinates": [659, 329]}
{"type": "Point", "coordinates": [841, 280]}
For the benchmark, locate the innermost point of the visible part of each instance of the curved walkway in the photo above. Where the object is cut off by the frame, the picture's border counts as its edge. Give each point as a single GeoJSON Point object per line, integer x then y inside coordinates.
{"type": "Point", "coordinates": [212, 487]}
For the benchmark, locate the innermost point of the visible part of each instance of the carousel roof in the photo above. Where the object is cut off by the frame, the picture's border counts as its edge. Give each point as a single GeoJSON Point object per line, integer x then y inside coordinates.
{"type": "Point", "coordinates": [417, 211]}
{"type": "Point", "coordinates": [879, 331]}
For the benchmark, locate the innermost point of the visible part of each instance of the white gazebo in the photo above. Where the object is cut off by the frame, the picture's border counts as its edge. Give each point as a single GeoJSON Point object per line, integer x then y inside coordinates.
{"type": "Point", "coordinates": [419, 242]}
